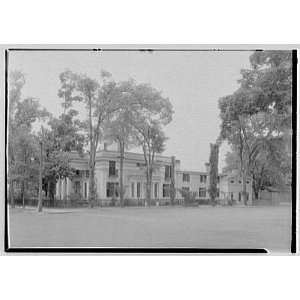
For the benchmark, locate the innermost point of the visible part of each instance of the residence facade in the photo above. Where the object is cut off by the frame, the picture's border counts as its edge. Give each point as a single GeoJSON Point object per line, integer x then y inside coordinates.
{"type": "Point", "coordinates": [107, 171]}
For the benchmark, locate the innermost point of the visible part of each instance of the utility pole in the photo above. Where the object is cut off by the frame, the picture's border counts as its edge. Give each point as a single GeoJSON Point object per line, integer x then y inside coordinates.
{"type": "Point", "coordinates": [40, 203]}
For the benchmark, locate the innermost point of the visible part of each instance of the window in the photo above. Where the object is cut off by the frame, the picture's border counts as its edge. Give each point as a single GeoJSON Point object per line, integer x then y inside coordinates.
{"type": "Point", "coordinates": [87, 173]}
{"type": "Point", "coordinates": [112, 168]}
{"type": "Point", "coordinates": [240, 181]}
{"type": "Point", "coordinates": [112, 189]}
{"type": "Point", "coordinates": [203, 178]}
{"type": "Point", "coordinates": [231, 181]}
{"type": "Point", "coordinates": [167, 172]}
{"type": "Point", "coordinates": [85, 190]}
{"type": "Point", "coordinates": [166, 190]}
{"type": "Point", "coordinates": [202, 192]}
{"type": "Point", "coordinates": [132, 189]}
{"type": "Point", "coordinates": [185, 177]}
{"type": "Point", "coordinates": [138, 189]}
{"type": "Point", "coordinates": [247, 181]}
{"type": "Point", "coordinates": [218, 179]}
{"type": "Point", "coordinates": [240, 196]}
{"type": "Point", "coordinates": [77, 187]}
{"type": "Point", "coordinates": [77, 172]}
{"type": "Point", "coordinates": [185, 189]}
{"type": "Point", "coordinates": [156, 190]}
{"type": "Point", "coordinates": [218, 193]}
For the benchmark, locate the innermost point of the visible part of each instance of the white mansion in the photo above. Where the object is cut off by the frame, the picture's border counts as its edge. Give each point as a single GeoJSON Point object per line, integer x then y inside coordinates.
{"type": "Point", "coordinates": [107, 180]}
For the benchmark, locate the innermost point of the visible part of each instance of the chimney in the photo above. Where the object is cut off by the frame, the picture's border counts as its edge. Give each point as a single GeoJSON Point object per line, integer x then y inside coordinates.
{"type": "Point", "coordinates": [177, 164]}
{"type": "Point", "coordinates": [207, 167]}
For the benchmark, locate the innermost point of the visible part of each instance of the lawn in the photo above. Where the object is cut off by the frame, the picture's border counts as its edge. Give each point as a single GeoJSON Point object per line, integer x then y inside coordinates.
{"type": "Point", "coordinates": [205, 226]}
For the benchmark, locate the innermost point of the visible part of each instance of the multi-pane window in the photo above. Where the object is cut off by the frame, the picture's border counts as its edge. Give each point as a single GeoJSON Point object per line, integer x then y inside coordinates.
{"type": "Point", "coordinates": [202, 192]}
{"type": "Point", "coordinates": [156, 190]}
{"type": "Point", "coordinates": [77, 187]}
{"type": "Point", "coordinates": [203, 178]}
{"type": "Point", "coordinates": [166, 190]}
{"type": "Point", "coordinates": [185, 177]}
{"type": "Point", "coordinates": [186, 189]}
{"type": "Point", "coordinates": [112, 189]}
{"type": "Point", "coordinates": [132, 189]}
{"type": "Point", "coordinates": [112, 168]}
{"type": "Point", "coordinates": [138, 189]}
{"type": "Point", "coordinates": [167, 172]}
{"type": "Point", "coordinates": [85, 190]}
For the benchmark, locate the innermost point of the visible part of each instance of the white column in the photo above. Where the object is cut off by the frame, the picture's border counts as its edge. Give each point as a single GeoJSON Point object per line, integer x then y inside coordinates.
{"type": "Point", "coordinates": [68, 187]}
{"type": "Point", "coordinates": [62, 188]}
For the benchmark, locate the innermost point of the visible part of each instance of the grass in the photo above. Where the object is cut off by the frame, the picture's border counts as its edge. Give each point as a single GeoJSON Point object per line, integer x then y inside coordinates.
{"type": "Point", "coordinates": [204, 227]}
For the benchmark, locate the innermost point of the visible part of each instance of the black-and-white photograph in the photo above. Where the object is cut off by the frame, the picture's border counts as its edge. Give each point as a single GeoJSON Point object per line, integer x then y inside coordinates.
{"type": "Point", "coordinates": [161, 149]}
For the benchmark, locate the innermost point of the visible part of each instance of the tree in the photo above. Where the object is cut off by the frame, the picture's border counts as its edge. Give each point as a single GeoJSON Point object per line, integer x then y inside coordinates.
{"type": "Point", "coordinates": [150, 111]}
{"type": "Point", "coordinates": [63, 137]}
{"type": "Point", "coordinates": [100, 102]}
{"type": "Point", "coordinates": [119, 130]}
{"type": "Point", "coordinates": [152, 140]}
{"type": "Point", "coordinates": [213, 172]}
{"type": "Point", "coordinates": [21, 147]}
{"type": "Point", "coordinates": [16, 83]}
{"type": "Point", "coordinates": [264, 97]}
{"type": "Point", "coordinates": [269, 82]}
{"type": "Point", "coordinates": [24, 170]}
{"type": "Point", "coordinates": [268, 159]}
{"type": "Point", "coordinates": [233, 129]}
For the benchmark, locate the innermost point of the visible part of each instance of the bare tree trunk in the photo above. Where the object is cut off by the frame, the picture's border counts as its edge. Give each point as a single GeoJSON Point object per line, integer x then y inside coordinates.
{"type": "Point", "coordinates": [23, 193]}
{"type": "Point", "coordinates": [65, 192]}
{"type": "Point", "coordinates": [92, 195]}
{"type": "Point", "coordinates": [172, 181]}
{"type": "Point", "coordinates": [244, 187]}
{"type": "Point", "coordinates": [59, 188]}
{"type": "Point", "coordinates": [11, 193]}
{"type": "Point", "coordinates": [92, 192]}
{"type": "Point", "coordinates": [40, 202]}
{"type": "Point", "coordinates": [148, 187]}
{"type": "Point", "coordinates": [121, 174]}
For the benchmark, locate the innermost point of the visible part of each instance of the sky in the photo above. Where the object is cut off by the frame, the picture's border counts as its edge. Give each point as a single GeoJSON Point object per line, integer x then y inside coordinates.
{"type": "Point", "coordinates": [192, 80]}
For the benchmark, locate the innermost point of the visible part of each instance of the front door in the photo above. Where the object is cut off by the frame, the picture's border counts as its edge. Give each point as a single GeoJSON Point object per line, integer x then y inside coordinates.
{"type": "Point", "coordinates": [77, 187]}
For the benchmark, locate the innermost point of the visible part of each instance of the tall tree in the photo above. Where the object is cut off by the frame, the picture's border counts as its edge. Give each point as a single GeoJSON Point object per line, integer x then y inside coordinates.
{"type": "Point", "coordinates": [150, 111]}
{"type": "Point", "coordinates": [16, 83]}
{"type": "Point", "coordinates": [213, 172]}
{"type": "Point", "coordinates": [119, 130]}
{"type": "Point", "coordinates": [152, 139]}
{"type": "Point", "coordinates": [265, 90]}
{"type": "Point", "coordinates": [100, 103]}
{"type": "Point", "coordinates": [21, 151]}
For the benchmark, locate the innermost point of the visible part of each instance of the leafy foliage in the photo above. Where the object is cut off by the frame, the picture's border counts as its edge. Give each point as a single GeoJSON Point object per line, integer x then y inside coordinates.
{"type": "Point", "coordinates": [256, 119]}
